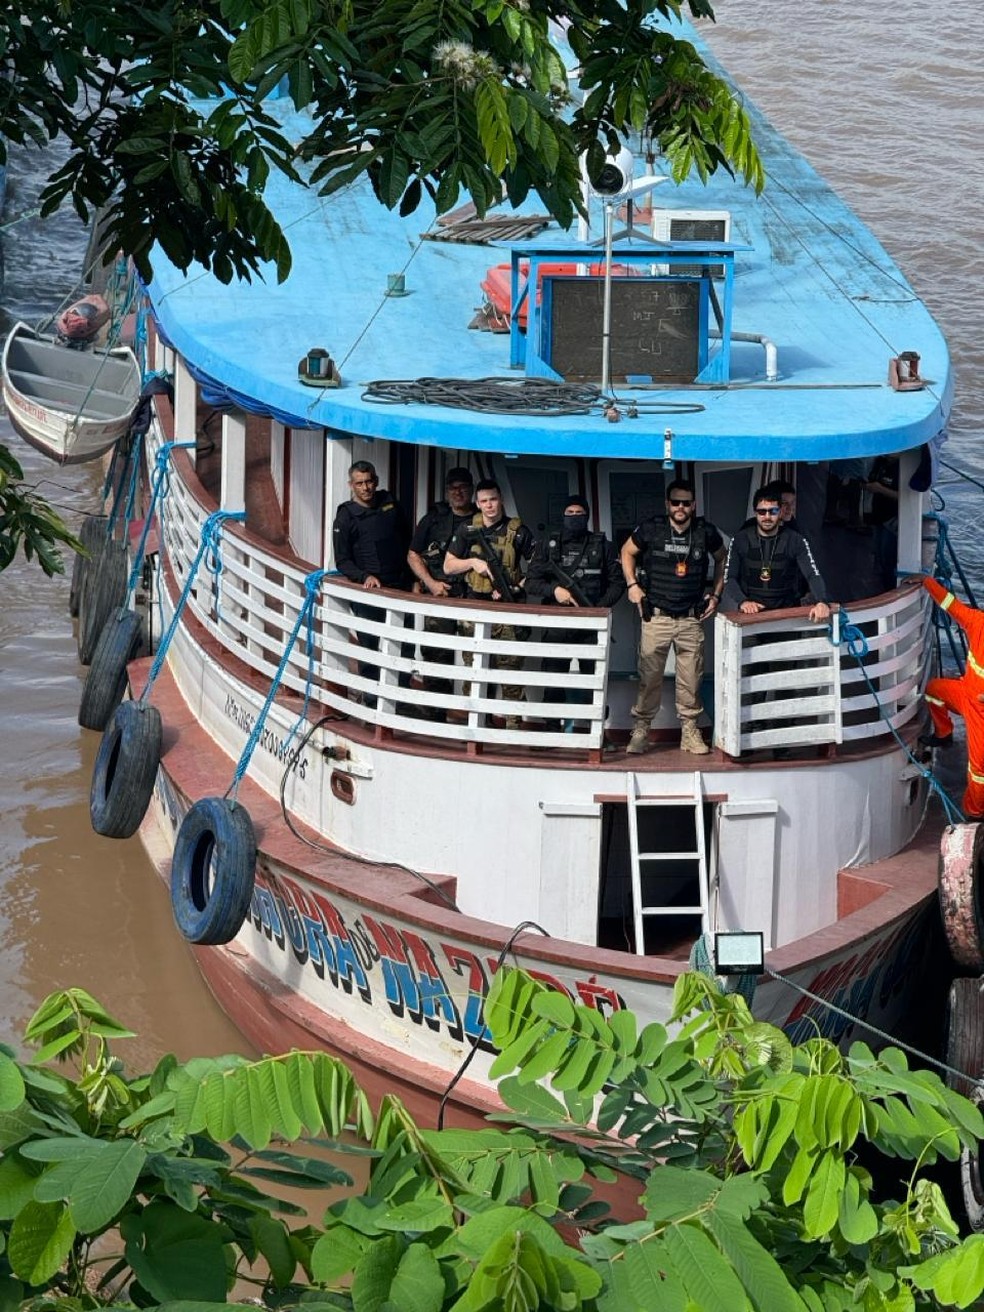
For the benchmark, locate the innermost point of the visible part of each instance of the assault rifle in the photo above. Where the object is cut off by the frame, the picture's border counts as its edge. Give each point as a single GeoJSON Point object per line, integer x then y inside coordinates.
{"type": "Point", "coordinates": [500, 584]}
{"type": "Point", "coordinates": [553, 571]}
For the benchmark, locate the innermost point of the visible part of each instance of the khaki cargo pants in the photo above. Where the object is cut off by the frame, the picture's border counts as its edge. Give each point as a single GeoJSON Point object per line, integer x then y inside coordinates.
{"type": "Point", "coordinates": [685, 635]}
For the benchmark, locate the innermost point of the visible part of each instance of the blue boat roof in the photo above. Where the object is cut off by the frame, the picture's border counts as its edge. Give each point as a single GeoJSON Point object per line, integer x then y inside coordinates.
{"type": "Point", "coordinates": [814, 281]}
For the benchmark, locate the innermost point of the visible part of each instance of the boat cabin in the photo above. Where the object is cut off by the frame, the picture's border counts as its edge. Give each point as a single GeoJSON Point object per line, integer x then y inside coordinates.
{"type": "Point", "coordinates": [605, 825]}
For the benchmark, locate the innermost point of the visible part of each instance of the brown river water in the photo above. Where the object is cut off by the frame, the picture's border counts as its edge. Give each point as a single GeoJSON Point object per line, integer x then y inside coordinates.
{"type": "Point", "coordinates": [886, 101]}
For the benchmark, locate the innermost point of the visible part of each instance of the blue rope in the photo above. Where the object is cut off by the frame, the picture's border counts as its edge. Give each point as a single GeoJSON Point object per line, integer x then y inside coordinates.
{"type": "Point", "coordinates": [857, 644]}
{"type": "Point", "coordinates": [131, 498]}
{"type": "Point", "coordinates": [312, 586]}
{"type": "Point", "coordinates": [210, 531]}
{"type": "Point", "coordinates": [160, 485]}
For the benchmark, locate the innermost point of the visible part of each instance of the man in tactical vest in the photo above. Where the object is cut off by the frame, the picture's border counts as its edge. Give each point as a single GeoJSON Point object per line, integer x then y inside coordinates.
{"type": "Point", "coordinates": [428, 548]}
{"type": "Point", "coordinates": [673, 549]}
{"type": "Point", "coordinates": [510, 543]}
{"type": "Point", "coordinates": [573, 567]}
{"type": "Point", "coordinates": [769, 562]}
{"type": "Point", "coordinates": [370, 537]}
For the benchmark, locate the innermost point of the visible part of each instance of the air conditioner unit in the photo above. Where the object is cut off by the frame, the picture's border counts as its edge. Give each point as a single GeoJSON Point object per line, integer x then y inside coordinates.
{"type": "Point", "coordinates": [691, 225]}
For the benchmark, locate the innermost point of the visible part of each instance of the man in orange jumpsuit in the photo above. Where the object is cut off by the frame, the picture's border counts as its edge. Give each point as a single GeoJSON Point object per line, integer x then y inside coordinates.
{"type": "Point", "coordinates": [965, 696]}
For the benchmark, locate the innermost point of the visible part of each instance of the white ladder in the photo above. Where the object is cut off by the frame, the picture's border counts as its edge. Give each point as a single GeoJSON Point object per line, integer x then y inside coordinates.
{"type": "Point", "coordinates": [634, 804]}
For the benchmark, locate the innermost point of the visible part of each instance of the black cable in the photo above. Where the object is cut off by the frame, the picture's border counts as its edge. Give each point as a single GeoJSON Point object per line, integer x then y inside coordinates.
{"type": "Point", "coordinates": [531, 396]}
{"type": "Point", "coordinates": [477, 1038]}
{"type": "Point", "coordinates": [335, 851]}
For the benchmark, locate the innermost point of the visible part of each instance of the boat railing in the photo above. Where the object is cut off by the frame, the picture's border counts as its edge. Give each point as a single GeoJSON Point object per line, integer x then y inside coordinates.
{"type": "Point", "coordinates": [396, 660]}
{"type": "Point", "coordinates": [784, 681]}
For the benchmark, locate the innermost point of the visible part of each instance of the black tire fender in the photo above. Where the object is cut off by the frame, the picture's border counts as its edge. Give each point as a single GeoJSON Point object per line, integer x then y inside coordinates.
{"type": "Point", "coordinates": [125, 770]}
{"type": "Point", "coordinates": [106, 680]}
{"type": "Point", "coordinates": [103, 592]}
{"type": "Point", "coordinates": [961, 871]}
{"type": "Point", "coordinates": [92, 535]}
{"type": "Point", "coordinates": [213, 870]}
{"type": "Point", "coordinates": [965, 1052]}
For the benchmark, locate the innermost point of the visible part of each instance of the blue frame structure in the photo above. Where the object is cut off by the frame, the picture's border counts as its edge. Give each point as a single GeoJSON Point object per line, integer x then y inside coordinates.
{"type": "Point", "coordinates": [530, 350]}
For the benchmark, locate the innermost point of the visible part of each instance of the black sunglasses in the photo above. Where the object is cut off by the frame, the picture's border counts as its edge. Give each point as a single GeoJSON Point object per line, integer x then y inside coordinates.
{"type": "Point", "coordinates": [676, 501]}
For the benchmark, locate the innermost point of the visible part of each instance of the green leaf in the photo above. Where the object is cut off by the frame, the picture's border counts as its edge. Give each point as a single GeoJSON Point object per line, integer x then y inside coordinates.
{"type": "Point", "coordinates": [672, 1192]}
{"type": "Point", "coordinates": [375, 1273]}
{"type": "Point", "coordinates": [419, 1282]}
{"type": "Point", "coordinates": [175, 1255]}
{"type": "Point", "coordinates": [649, 1280]}
{"type": "Point", "coordinates": [17, 1180]}
{"type": "Point", "coordinates": [336, 1253]}
{"type": "Point", "coordinates": [41, 1238]}
{"type": "Point", "coordinates": [822, 1203]}
{"type": "Point", "coordinates": [956, 1276]}
{"type": "Point", "coordinates": [532, 1101]}
{"type": "Point", "coordinates": [95, 1185]}
{"type": "Point", "coordinates": [754, 1265]}
{"type": "Point", "coordinates": [705, 1274]}
{"type": "Point", "coordinates": [11, 1084]}
{"type": "Point", "coordinates": [420, 1216]}
{"type": "Point", "coordinates": [272, 1240]}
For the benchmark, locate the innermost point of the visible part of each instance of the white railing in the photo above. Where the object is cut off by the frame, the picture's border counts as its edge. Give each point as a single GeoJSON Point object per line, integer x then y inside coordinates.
{"type": "Point", "coordinates": [782, 681]}
{"type": "Point", "coordinates": [411, 673]}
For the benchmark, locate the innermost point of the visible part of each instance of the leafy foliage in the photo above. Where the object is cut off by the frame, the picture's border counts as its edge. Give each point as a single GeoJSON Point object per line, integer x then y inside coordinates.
{"type": "Point", "coordinates": [733, 1153]}
{"type": "Point", "coordinates": [27, 522]}
{"type": "Point", "coordinates": [169, 128]}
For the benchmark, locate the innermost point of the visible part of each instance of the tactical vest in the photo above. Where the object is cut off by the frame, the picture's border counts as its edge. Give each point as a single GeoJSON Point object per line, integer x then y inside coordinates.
{"type": "Point", "coordinates": [783, 586]}
{"type": "Point", "coordinates": [666, 589]}
{"type": "Point", "coordinates": [582, 561]}
{"type": "Point", "coordinates": [442, 531]}
{"type": "Point", "coordinates": [503, 544]}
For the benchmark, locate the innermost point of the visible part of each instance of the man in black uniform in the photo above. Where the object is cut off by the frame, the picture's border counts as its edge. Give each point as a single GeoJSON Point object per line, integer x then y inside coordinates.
{"type": "Point", "coordinates": [370, 537]}
{"type": "Point", "coordinates": [577, 559]}
{"type": "Point", "coordinates": [768, 563]}
{"type": "Point", "coordinates": [674, 549]}
{"type": "Point", "coordinates": [428, 548]}
{"type": "Point", "coordinates": [512, 542]}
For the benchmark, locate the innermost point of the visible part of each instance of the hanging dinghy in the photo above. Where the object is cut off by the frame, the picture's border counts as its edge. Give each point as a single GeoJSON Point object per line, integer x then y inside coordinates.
{"type": "Point", "coordinates": [70, 404]}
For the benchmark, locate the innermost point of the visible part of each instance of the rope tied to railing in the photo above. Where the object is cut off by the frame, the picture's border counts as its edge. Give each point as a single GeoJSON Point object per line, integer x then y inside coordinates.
{"type": "Point", "coordinates": [159, 488]}
{"type": "Point", "coordinates": [312, 587]}
{"type": "Point", "coordinates": [211, 528]}
{"type": "Point", "coordinates": [847, 634]}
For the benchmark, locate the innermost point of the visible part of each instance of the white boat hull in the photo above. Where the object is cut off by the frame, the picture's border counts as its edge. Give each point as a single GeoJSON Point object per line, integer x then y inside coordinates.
{"type": "Point", "coordinates": [71, 405]}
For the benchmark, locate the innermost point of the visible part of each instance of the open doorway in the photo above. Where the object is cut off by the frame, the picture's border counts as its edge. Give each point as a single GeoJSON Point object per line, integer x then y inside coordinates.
{"type": "Point", "coordinates": [670, 830]}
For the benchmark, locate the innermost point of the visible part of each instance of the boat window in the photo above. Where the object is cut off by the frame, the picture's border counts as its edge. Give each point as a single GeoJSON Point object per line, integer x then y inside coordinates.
{"type": "Point", "coordinates": [634, 495]}
{"type": "Point", "coordinates": [536, 493]}
{"type": "Point", "coordinates": [727, 493]}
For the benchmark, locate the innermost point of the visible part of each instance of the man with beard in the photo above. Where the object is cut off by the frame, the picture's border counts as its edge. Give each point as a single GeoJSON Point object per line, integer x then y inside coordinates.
{"type": "Point", "coordinates": [573, 567]}
{"type": "Point", "coordinates": [673, 549]}
{"type": "Point", "coordinates": [768, 563]}
{"type": "Point", "coordinates": [428, 548]}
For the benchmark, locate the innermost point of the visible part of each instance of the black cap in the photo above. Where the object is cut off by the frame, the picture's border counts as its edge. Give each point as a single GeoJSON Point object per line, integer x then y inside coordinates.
{"type": "Point", "coordinates": [578, 501]}
{"type": "Point", "coordinates": [459, 475]}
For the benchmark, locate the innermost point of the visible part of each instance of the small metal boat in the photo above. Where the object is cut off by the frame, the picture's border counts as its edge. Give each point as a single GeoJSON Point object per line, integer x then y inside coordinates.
{"type": "Point", "coordinates": [70, 404]}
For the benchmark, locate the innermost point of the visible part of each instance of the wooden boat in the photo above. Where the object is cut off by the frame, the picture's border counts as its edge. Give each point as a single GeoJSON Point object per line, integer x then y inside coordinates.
{"type": "Point", "coordinates": [70, 404]}
{"type": "Point", "coordinates": [403, 856]}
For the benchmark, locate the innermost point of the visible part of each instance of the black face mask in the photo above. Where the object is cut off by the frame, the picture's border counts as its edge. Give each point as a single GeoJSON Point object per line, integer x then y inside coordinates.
{"type": "Point", "coordinates": [574, 527]}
